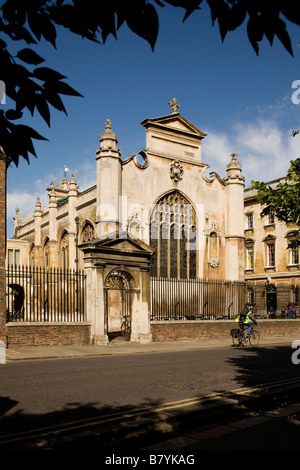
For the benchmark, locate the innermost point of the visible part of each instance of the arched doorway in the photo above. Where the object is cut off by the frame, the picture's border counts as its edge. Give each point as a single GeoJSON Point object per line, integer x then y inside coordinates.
{"type": "Point", "coordinates": [271, 297]}
{"type": "Point", "coordinates": [118, 304]}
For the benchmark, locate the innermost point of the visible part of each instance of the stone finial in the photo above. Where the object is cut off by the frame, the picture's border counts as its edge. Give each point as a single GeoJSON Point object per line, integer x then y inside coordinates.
{"type": "Point", "coordinates": [51, 195]}
{"type": "Point", "coordinates": [38, 207]}
{"type": "Point", "coordinates": [108, 133]}
{"type": "Point", "coordinates": [73, 188]}
{"type": "Point", "coordinates": [234, 169]}
{"type": "Point", "coordinates": [234, 164]}
{"type": "Point", "coordinates": [174, 105]}
{"type": "Point", "coordinates": [73, 179]}
{"type": "Point", "coordinates": [17, 217]}
{"type": "Point", "coordinates": [108, 139]}
{"type": "Point", "coordinates": [234, 159]}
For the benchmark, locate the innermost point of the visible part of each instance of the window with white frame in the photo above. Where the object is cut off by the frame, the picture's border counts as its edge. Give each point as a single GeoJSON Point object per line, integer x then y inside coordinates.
{"type": "Point", "coordinates": [13, 258]}
{"type": "Point", "coordinates": [294, 255]}
{"type": "Point", "coordinates": [250, 220]}
{"type": "Point", "coordinates": [249, 257]}
{"type": "Point", "coordinates": [293, 248]}
{"type": "Point", "coordinates": [271, 254]}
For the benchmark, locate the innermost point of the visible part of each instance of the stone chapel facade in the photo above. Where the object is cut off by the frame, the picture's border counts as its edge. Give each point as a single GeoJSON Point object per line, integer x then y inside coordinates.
{"type": "Point", "coordinates": [162, 196]}
{"type": "Point", "coordinates": [155, 213]}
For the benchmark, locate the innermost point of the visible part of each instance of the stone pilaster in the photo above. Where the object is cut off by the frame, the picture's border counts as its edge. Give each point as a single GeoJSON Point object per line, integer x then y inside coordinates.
{"type": "Point", "coordinates": [53, 243]}
{"type": "Point", "coordinates": [235, 220]}
{"type": "Point", "coordinates": [109, 183]}
{"type": "Point", "coordinates": [72, 199]}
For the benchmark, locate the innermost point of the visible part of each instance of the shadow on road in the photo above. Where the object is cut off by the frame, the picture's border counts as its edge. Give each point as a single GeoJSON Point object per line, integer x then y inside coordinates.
{"type": "Point", "coordinates": [80, 426]}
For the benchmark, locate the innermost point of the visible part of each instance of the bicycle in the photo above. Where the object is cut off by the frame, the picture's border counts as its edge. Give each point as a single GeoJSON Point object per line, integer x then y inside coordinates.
{"type": "Point", "coordinates": [239, 338]}
{"type": "Point", "coordinates": [126, 328]}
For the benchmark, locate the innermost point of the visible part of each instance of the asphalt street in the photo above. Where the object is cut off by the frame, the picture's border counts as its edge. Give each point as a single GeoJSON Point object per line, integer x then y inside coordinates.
{"type": "Point", "coordinates": [265, 416]}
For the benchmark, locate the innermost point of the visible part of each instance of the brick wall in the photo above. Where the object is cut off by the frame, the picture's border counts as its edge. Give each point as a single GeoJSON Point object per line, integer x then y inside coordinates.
{"type": "Point", "coordinates": [191, 330]}
{"type": "Point", "coordinates": [2, 248]}
{"type": "Point", "coordinates": [68, 334]}
{"type": "Point", "coordinates": [41, 334]}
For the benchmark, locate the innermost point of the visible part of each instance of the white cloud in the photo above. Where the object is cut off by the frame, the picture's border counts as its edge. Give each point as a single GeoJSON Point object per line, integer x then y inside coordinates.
{"type": "Point", "coordinates": [22, 200]}
{"type": "Point", "coordinates": [263, 149]}
{"type": "Point", "coordinates": [216, 150]}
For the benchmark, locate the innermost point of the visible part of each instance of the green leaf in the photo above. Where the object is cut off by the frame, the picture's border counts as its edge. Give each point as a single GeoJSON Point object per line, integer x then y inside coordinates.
{"type": "Point", "coordinates": [282, 34]}
{"type": "Point", "coordinates": [255, 31]}
{"type": "Point", "coordinates": [29, 131]}
{"type": "Point", "coordinates": [43, 108]}
{"type": "Point", "coordinates": [54, 100]}
{"type": "Point", "coordinates": [61, 88]}
{"type": "Point", "coordinates": [29, 56]}
{"type": "Point", "coordinates": [26, 95]}
{"type": "Point", "coordinates": [47, 74]}
{"type": "Point", "coordinates": [49, 31]}
{"type": "Point", "coordinates": [236, 16]}
{"type": "Point", "coordinates": [12, 114]}
{"type": "Point", "coordinates": [40, 24]}
{"type": "Point", "coordinates": [143, 20]}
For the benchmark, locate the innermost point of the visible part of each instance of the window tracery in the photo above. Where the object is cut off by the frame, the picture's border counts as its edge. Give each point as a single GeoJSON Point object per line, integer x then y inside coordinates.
{"type": "Point", "coordinates": [88, 233]}
{"type": "Point", "coordinates": [173, 237]}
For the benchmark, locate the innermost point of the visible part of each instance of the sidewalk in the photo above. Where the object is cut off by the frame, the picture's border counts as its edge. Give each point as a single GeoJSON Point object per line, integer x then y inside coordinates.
{"type": "Point", "coordinates": [121, 347]}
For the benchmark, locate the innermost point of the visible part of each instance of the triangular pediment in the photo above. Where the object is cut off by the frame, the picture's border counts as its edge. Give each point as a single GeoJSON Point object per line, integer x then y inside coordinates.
{"type": "Point", "coordinates": [269, 238]}
{"type": "Point", "coordinates": [120, 241]}
{"type": "Point", "coordinates": [174, 122]}
{"type": "Point", "coordinates": [175, 137]}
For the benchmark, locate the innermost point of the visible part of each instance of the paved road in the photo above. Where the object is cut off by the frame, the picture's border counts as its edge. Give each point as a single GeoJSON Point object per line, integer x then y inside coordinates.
{"type": "Point", "coordinates": [79, 393]}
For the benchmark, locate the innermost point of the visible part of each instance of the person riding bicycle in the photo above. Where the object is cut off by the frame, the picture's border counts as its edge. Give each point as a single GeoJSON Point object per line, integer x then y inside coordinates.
{"type": "Point", "coordinates": [244, 319]}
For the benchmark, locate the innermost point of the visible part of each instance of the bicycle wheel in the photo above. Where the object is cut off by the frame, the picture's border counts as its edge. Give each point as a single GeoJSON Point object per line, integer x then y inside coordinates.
{"type": "Point", "coordinates": [125, 330]}
{"type": "Point", "coordinates": [236, 337]}
{"type": "Point", "coordinates": [254, 338]}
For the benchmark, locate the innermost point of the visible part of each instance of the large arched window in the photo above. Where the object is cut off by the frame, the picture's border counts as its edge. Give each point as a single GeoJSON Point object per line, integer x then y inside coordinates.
{"type": "Point", "coordinates": [88, 232]}
{"type": "Point", "coordinates": [173, 237]}
{"type": "Point", "coordinates": [64, 250]}
{"type": "Point", "coordinates": [46, 253]}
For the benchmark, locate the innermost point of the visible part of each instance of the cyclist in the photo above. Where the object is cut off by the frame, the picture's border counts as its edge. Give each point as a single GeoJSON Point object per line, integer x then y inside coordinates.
{"type": "Point", "coordinates": [244, 319]}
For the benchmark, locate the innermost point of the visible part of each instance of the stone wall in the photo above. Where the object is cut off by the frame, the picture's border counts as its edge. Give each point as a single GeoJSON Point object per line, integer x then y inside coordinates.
{"type": "Point", "coordinates": [41, 334]}
{"type": "Point", "coordinates": [191, 330]}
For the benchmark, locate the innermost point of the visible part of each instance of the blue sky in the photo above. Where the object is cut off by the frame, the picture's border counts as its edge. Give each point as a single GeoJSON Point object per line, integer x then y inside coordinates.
{"type": "Point", "coordinates": [242, 101]}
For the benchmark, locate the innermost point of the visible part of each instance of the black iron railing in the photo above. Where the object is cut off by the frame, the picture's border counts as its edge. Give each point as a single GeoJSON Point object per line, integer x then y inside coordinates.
{"type": "Point", "coordinates": [195, 299]}
{"type": "Point", "coordinates": [39, 294]}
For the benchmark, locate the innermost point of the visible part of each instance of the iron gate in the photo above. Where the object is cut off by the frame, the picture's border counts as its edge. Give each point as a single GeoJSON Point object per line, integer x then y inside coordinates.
{"type": "Point", "coordinates": [118, 294]}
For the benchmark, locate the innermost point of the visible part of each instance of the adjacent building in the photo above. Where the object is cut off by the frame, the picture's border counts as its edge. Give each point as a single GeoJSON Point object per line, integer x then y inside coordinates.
{"type": "Point", "coordinates": [271, 266]}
